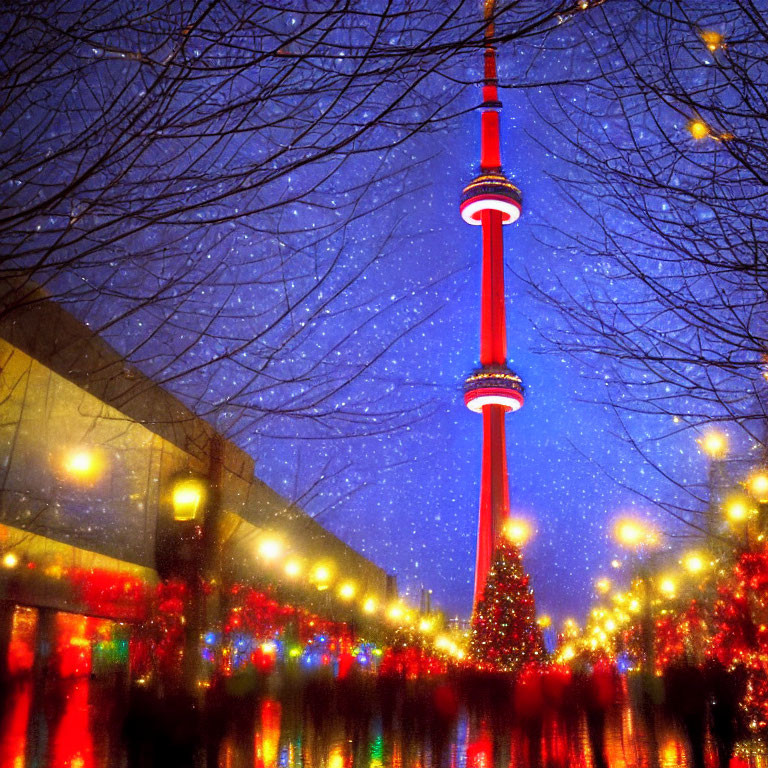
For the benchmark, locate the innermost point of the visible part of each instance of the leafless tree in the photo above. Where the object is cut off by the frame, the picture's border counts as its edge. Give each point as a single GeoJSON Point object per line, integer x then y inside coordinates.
{"type": "Point", "coordinates": [209, 185]}
{"type": "Point", "coordinates": [666, 139]}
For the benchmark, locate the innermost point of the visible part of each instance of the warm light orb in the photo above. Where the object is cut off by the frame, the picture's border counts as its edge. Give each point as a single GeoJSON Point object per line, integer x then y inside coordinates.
{"type": "Point", "coordinates": [369, 606]}
{"type": "Point", "coordinates": [395, 612]}
{"type": "Point", "coordinates": [712, 39]}
{"type": "Point", "coordinates": [347, 591]}
{"type": "Point", "coordinates": [187, 498]}
{"type": "Point", "coordinates": [738, 509]}
{"type": "Point", "coordinates": [270, 548]}
{"type": "Point", "coordinates": [321, 576]}
{"type": "Point", "coordinates": [693, 563]}
{"type": "Point", "coordinates": [82, 464]}
{"type": "Point", "coordinates": [10, 560]}
{"type": "Point", "coordinates": [567, 653]}
{"type": "Point", "coordinates": [518, 530]}
{"type": "Point", "coordinates": [615, 563]}
{"type": "Point", "coordinates": [544, 621]}
{"type": "Point", "coordinates": [603, 586]}
{"type": "Point", "coordinates": [426, 625]}
{"type": "Point", "coordinates": [667, 587]}
{"type": "Point", "coordinates": [758, 486]}
{"type": "Point", "coordinates": [698, 129]}
{"type": "Point", "coordinates": [293, 568]}
{"type": "Point", "coordinates": [714, 443]}
{"type": "Point", "coordinates": [634, 534]}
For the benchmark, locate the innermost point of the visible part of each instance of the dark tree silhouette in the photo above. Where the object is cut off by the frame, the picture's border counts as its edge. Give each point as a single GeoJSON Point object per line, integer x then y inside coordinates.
{"type": "Point", "coordinates": [667, 143]}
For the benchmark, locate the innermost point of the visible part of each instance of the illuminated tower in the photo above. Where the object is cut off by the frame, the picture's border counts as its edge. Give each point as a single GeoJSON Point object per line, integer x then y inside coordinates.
{"type": "Point", "coordinates": [490, 201]}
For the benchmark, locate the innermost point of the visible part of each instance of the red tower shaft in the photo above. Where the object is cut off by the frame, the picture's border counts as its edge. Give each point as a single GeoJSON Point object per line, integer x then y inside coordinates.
{"type": "Point", "coordinates": [491, 201]}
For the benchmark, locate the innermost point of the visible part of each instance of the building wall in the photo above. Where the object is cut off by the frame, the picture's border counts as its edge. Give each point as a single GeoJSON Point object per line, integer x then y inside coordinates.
{"type": "Point", "coordinates": [89, 447]}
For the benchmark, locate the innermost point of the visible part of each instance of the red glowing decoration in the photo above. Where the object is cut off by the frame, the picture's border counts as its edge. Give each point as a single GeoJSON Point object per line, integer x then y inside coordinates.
{"type": "Point", "coordinates": [490, 201]}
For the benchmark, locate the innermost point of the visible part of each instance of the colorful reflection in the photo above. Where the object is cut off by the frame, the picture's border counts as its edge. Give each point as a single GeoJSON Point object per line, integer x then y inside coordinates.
{"type": "Point", "coordinates": [72, 745]}
{"type": "Point", "coordinates": [13, 726]}
{"type": "Point", "coordinates": [21, 648]}
{"type": "Point", "coordinates": [267, 738]}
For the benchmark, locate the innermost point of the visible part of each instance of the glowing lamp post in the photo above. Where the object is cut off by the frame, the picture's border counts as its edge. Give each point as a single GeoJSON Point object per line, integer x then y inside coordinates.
{"type": "Point", "coordinates": [83, 465]}
{"type": "Point", "coordinates": [739, 510]}
{"type": "Point", "coordinates": [757, 485]}
{"type": "Point", "coordinates": [714, 444]}
{"type": "Point", "coordinates": [518, 530]}
{"type": "Point", "coordinates": [187, 499]}
{"type": "Point", "coordinates": [694, 563]}
{"type": "Point", "coordinates": [640, 538]}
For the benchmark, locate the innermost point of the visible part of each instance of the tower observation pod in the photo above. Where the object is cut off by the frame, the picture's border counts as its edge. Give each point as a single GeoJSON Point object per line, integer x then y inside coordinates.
{"type": "Point", "coordinates": [490, 201]}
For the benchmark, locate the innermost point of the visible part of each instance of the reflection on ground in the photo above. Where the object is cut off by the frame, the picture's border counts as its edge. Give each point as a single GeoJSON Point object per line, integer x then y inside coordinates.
{"type": "Point", "coordinates": [82, 723]}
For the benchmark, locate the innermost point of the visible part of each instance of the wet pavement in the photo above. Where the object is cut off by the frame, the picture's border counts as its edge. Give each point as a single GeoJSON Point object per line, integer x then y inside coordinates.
{"type": "Point", "coordinates": [85, 723]}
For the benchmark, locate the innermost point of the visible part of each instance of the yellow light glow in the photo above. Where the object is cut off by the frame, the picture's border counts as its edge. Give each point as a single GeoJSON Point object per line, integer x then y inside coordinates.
{"type": "Point", "coordinates": [82, 464]}
{"type": "Point", "coordinates": [610, 625]}
{"type": "Point", "coordinates": [518, 530]}
{"type": "Point", "coordinates": [634, 605]}
{"type": "Point", "coordinates": [693, 563]}
{"type": "Point", "coordinates": [713, 40]}
{"type": "Point", "coordinates": [395, 612]}
{"type": "Point", "coordinates": [544, 621]}
{"type": "Point", "coordinates": [269, 648]}
{"type": "Point", "coordinates": [336, 758]}
{"type": "Point", "coordinates": [738, 509]}
{"type": "Point", "coordinates": [270, 548]}
{"type": "Point", "coordinates": [293, 568]}
{"type": "Point", "coordinates": [426, 625]}
{"type": "Point", "coordinates": [758, 486]}
{"type": "Point", "coordinates": [698, 129]}
{"type": "Point", "coordinates": [443, 643]}
{"type": "Point", "coordinates": [615, 563]}
{"type": "Point", "coordinates": [713, 443]}
{"type": "Point", "coordinates": [634, 534]}
{"type": "Point", "coordinates": [321, 575]}
{"type": "Point", "coordinates": [603, 586]}
{"type": "Point", "coordinates": [347, 591]}
{"type": "Point", "coordinates": [369, 606]}
{"type": "Point", "coordinates": [567, 653]}
{"type": "Point", "coordinates": [10, 560]}
{"type": "Point", "coordinates": [667, 587]}
{"type": "Point", "coordinates": [187, 498]}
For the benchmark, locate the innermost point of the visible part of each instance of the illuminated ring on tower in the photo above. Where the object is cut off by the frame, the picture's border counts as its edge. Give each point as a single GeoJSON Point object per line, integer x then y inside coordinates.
{"type": "Point", "coordinates": [493, 385]}
{"type": "Point", "coordinates": [491, 192]}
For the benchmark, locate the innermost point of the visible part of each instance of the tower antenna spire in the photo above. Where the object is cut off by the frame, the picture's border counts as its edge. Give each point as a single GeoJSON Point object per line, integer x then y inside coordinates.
{"type": "Point", "coordinates": [490, 201]}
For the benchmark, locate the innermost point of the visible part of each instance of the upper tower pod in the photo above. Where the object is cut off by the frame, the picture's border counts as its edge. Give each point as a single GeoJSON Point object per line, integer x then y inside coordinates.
{"type": "Point", "coordinates": [491, 192]}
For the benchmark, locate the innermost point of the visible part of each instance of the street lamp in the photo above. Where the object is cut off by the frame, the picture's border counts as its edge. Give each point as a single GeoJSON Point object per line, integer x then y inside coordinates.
{"type": "Point", "coordinates": [187, 497]}
{"type": "Point", "coordinates": [668, 587]}
{"type": "Point", "coordinates": [757, 484]}
{"type": "Point", "coordinates": [640, 537]}
{"type": "Point", "coordinates": [347, 591]}
{"type": "Point", "coordinates": [518, 530]}
{"type": "Point", "coordinates": [694, 563]}
{"type": "Point", "coordinates": [82, 464]}
{"type": "Point", "coordinates": [635, 534]}
{"type": "Point", "coordinates": [270, 548]}
{"type": "Point", "coordinates": [714, 443]}
{"type": "Point", "coordinates": [293, 568]}
{"type": "Point", "coordinates": [739, 509]}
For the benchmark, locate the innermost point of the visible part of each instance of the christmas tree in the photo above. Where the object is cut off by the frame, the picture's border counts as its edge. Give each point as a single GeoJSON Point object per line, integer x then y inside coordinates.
{"type": "Point", "coordinates": [505, 635]}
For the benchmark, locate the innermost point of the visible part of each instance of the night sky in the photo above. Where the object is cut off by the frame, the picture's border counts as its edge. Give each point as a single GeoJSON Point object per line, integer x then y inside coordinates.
{"type": "Point", "coordinates": [329, 335]}
{"type": "Point", "coordinates": [570, 468]}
